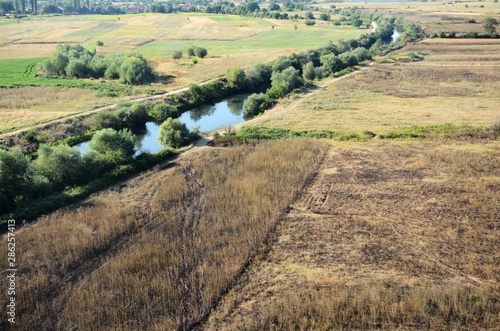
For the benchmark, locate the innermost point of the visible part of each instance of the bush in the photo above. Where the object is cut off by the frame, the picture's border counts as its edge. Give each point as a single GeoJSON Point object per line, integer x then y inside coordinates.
{"type": "Point", "coordinates": [236, 77]}
{"type": "Point", "coordinates": [200, 52]}
{"type": "Point", "coordinates": [176, 55]}
{"type": "Point", "coordinates": [309, 72]}
{"type": "Point", "coordinates": [310, 22]}
{"type": "Point", "coordinates": [173, 133]}
{"type": "Point", "coordinates": [111, 146]}
{"type": "Point", "coordinates": [161, 111]}
{"type": "Point", "coordinates": [61, 165]}
{"type": "Point", "coordinates": [256, 104]}
{"type": "Point", "coordinates": [77, 62]}
{"type": "Point", "coordinates": [258, 75]}
{"type": "Point", "coordinates": [107, 119]}
{"type": "Point", "coordinates": [284, 82]}
{"type": "Point", "coordinates": [132, 115]}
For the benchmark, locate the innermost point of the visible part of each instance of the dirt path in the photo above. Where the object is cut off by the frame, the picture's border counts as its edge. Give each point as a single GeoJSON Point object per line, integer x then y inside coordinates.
{"type": "Point", "coordinates": [93, 111]}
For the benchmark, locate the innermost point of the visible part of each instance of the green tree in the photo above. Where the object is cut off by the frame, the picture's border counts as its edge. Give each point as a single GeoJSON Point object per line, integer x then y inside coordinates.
{"type": "Point", "coordinates": [331, 63]}
{"type": "Point", "coordinates": [357, 22]}
{"type": "Point", "coordinates": [252, 7]}
{"type": "Point", "coordinates": [256, 104]}
{"type": "Point", "coordinates": [111, 146]}
{"type": "Point", "coordinates": [258, 75]}
{"type": "Point", "coordinates": [236, 77]}
{"type": "Point", "coordinates": [309, 72]}
{"type": "Point", "coordinates": [200, 52]}
{"type": "Point", "coordinates": [16, 175]}
{"type": "Point", "coordinates": [177, 55]}
{"type": "Point", "coordinates": [6, 6]}
{"type": "Point", "coordinates": [132, 115]}
{"type": "Point", "coordinates": [61, 165]}
{"type": "Point", "coordinates": [161, 111]}
{"type": "Point", "coordinates": [173, 133]}
{"type": "Point", "coordinates": [135, 70]}
{"type": "Point", "coordinates": [490, 25]}
{"type": "Point", "coordinates": [284, 82]}
{"type": "Point", "coordinates": [107, 119]}
{"type": "Point", "coordinates": [324, 17]}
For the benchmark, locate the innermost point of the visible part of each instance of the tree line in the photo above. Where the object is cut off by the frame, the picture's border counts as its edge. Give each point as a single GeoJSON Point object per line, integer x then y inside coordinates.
{"type": "Point", "coordinates": [75, 61]}
{"type": "Point", "coordinates": [288, 73]}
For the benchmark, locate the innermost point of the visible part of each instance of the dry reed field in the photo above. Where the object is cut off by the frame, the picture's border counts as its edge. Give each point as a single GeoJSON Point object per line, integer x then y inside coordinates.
{"type": "Point", "coordinates": [158, 252]}
{"type": "Point", "coordinates": [456, 83]}
{"type": "Point", "coordinates": [390, 236]}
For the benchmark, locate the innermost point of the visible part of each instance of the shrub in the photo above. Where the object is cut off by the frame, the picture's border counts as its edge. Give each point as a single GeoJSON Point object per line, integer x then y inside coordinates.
{"type": "Point", "coordinates": [258, 75]}
{"type": "Point", "coordinates": [61, 165]}
{"type": "Point", "coordinates": [132, 115]}
{"type": "Point", "coordinates": [200, 52]}
{"type": "Point", "coordinates": [107, 119]}
{"type": "Point", "coordinates": [176, 55]}
{"type": "Point", "coordinates": [236, 77]}
{"type": "Point", "coordinates": [310, 22]}
{"type": "Point", "coordinates": [173, 133]}
{"type": "Point", "coordinates": [111, 146]}
{"type": "Point", "coordinates": [161, 111]}
{"type": "Point", "coordinates": [284, 82]}
{"type": "Point", "coordinates": [256, 104]}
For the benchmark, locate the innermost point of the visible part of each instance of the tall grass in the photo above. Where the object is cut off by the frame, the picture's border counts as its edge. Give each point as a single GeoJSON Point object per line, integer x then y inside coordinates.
{"type": "Point", "coordinates": [170, 260]}
{"type": "Point", "coordinates": [378, 306]}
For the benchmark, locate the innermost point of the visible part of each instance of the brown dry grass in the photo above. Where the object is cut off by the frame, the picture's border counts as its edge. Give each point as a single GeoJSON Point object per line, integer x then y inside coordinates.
{"type": "Point", "coordinates": [457, 83]}
{"type": "Point", "coordinates": [388, 236]}
{"type": "Point", "coordinates": [160, 253]}
{"type": "Point", "coordinates": [26, 106]}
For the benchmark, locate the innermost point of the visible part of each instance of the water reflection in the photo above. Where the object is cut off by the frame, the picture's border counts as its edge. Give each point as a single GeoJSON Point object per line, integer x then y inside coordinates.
{"type": "Point", "coordinates": [205, 118]}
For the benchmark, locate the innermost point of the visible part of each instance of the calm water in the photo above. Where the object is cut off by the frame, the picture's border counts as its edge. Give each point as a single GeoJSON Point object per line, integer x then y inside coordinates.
{"type": "Point", "coordinates": [206, 118]}
{"type": "Point", "coordinates": [395, 36]}
{"type": "Point", "coordinates": [209, 118]}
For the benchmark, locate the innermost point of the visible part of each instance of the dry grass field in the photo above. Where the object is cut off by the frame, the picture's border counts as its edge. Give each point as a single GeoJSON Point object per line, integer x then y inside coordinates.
{"type": "Point", "coordinates": [27, 106]}
{"type": "Point", "coordinates": [456, 83]}
{"type": "Point", "coordinates": [388, 236]}
{"type": "Point", "coordinates": [159, 252]}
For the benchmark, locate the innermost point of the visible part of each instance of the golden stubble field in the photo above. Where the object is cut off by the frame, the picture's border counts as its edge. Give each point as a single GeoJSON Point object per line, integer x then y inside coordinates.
{"type": "Point", "coordinates": [456, 83]}
{"type": "Point", "coordinates": [400, 235]}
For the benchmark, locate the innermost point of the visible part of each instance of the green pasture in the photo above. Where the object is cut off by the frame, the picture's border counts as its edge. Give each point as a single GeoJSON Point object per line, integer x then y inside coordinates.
{"type": "Point", "coordinates": [280, 38]}
{"type": "Point", "coordinates": [21, 72]}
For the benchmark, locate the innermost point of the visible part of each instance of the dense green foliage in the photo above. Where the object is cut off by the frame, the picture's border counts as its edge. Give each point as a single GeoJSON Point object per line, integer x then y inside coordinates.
{"type": "Point", "coordinates": [61, 165]}
{"type": "Point", "coordinates": [75, 61]}
{"type": "Point", "coordinates": [256, 104]}
{"type": "Point", "coordinates": [161, 111]}
{"type": "Point", "coordinates": [236, 77]}
{"type": "Point", "coordinates": [284, 82]}
{"type": "Point", "coordinates": [112, 147]}
{"type": "Point", "coordinates": [490, 26]}
{"type": "Point", "coordinates": [173, 133]}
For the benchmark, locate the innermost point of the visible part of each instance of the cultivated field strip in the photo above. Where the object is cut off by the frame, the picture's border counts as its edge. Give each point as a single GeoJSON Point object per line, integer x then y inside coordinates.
{"type": "Point", "coordinates": [159, 252]}
{"type": "Point", "coordinates": [388, 236]}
